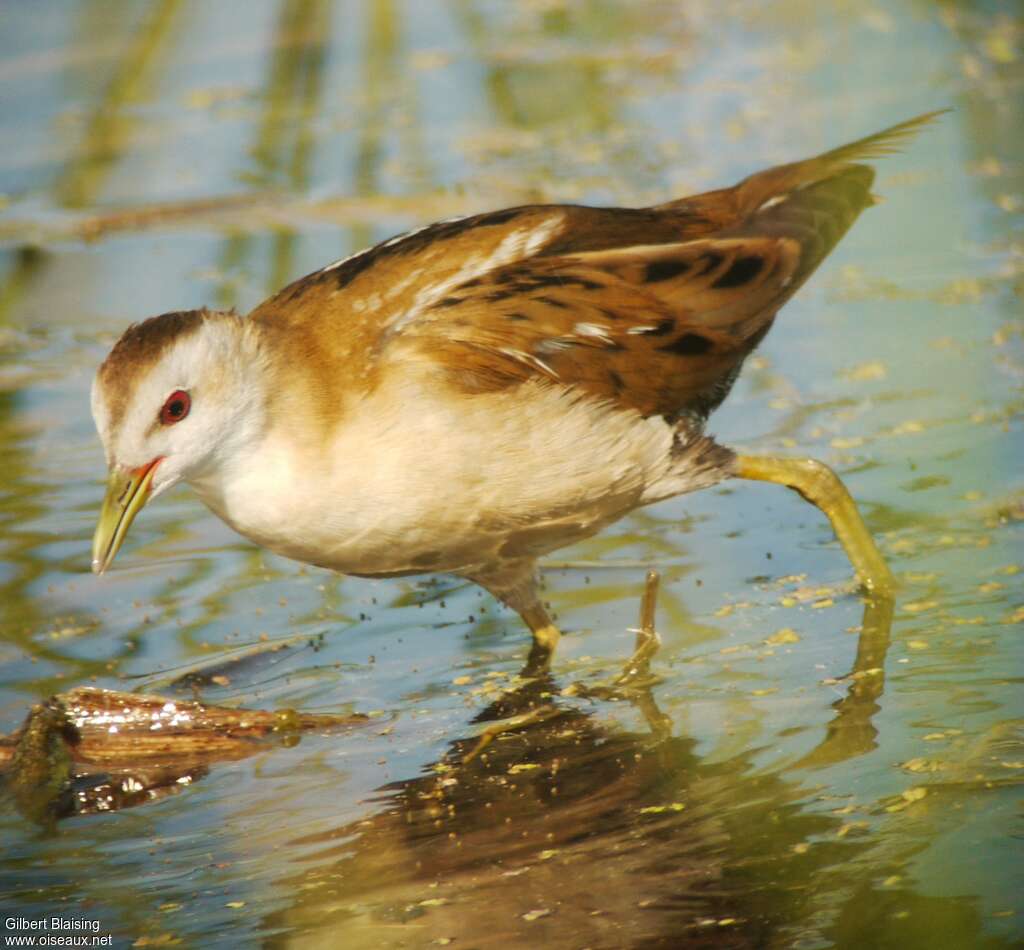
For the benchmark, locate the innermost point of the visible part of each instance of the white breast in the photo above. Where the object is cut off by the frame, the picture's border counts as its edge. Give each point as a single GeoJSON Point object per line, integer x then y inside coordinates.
{"type": "Point", "coordinates": [416, 479]}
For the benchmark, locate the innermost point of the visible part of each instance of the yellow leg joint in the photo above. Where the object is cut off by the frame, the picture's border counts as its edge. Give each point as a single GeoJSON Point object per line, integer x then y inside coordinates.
{"type": "Point", "coordinates": [819, 485]}
{"type": "Point", "coordinates": [545, 637]}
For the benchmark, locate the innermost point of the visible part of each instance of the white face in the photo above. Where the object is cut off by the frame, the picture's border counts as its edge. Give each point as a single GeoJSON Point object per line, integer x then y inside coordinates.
{"type": "Point", "coordinates": [189, 409]}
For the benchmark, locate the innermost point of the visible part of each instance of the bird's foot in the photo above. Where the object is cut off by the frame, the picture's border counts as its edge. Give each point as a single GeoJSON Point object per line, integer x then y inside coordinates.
{"type": "Point", "coordinates": [633, 684]}
{"type": "Point", "coordinates": [636, 676]}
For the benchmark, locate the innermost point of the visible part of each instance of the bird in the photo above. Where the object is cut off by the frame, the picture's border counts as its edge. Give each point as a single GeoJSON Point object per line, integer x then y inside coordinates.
{"type": "Point", "coordinates": [468, 397]}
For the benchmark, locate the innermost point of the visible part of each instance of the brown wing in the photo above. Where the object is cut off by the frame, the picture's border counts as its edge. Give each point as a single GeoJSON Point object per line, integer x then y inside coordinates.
{"type": "Point", "coordinates": [661, 325]}
{"type": "Point", "coordinates": [356, 313]}
{"type": "Point", "coordinates": [654, 308]}
{"type": "Point", "coordinates": [654, 327]}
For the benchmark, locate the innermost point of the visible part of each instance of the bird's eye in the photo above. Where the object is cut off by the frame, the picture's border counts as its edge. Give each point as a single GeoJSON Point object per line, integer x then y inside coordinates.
{"type": "Point", "coordinates": [176, 407]}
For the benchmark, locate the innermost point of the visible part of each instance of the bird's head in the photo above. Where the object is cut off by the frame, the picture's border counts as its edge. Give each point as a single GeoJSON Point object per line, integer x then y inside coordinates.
{"type": "Point", "coordinates": [174, 397]}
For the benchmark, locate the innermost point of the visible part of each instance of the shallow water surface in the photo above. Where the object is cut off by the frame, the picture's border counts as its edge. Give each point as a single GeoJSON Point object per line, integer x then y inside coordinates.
{"type": "Point", "coordinates": [804, 774]}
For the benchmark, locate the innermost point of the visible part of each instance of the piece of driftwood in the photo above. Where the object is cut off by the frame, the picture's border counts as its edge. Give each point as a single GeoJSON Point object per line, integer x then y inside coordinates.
{"type": "Point", "coordinates": [91, 749]}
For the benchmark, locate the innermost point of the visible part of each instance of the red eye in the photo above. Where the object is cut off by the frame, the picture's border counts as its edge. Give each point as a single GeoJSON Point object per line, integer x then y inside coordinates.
{"type": "Point", "coordinates": [176, 408]}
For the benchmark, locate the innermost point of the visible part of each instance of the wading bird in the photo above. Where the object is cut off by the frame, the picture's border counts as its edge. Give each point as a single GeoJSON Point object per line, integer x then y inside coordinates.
{"type": "Point", "coordinates": [471, 396]}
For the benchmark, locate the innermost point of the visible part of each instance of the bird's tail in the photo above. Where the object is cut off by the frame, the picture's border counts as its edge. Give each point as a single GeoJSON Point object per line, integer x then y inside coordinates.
{"type": "Point", "coordinates": [813, 202]}
{"type": "Point", "coordinates": [817, 200]}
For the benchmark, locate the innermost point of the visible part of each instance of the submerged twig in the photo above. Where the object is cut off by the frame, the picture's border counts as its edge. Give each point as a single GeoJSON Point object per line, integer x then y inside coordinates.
{"type": "Point", "coordinates": [266, 210]}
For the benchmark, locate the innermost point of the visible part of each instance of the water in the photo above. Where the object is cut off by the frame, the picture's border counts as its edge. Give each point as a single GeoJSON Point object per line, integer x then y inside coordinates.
{"type": "Point", "coordinates": [168, 155]}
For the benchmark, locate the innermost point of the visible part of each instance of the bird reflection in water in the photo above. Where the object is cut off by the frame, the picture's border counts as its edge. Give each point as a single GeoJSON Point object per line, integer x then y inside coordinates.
{"type": "Point", "coordinates": [566, 832]}
{"type": "Point", "coordinates": [545, 823]}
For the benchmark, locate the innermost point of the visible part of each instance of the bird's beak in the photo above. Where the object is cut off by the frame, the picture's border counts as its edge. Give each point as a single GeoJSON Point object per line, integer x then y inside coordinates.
{"type": "Point", "coordinates": [127, 492]}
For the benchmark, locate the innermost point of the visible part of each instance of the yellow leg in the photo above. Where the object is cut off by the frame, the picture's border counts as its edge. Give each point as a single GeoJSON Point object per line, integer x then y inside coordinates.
{"type": "Point", "coordinates": [819, 485]}
{"type": "Point", "coordinates": [516, 586]}
{"type": "Point", "coordinates": [545, 636]}
{"type": "Point", "coordinates": [638, 669]}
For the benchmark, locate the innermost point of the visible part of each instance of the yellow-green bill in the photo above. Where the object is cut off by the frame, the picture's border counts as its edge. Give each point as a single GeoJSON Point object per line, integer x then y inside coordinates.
{"type": "Point", "coordinates": [127, 492]}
